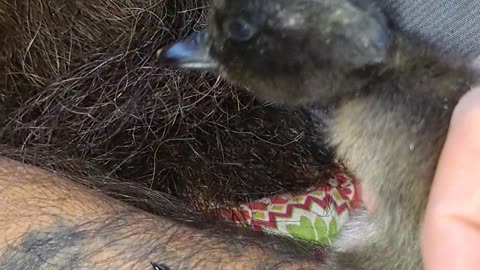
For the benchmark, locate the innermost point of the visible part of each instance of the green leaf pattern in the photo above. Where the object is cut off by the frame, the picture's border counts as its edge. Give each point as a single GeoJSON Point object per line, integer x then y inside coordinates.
{"type": "Point", "coordinates": [318, 231]}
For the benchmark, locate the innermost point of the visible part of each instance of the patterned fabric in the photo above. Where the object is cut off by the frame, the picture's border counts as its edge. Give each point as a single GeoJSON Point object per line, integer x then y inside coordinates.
{"type": "Point", "coordinates": [315, 216]}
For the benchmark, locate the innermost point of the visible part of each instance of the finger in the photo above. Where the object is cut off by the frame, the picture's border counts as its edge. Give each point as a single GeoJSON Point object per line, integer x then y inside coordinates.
{"type": "Point", "coordinates": [451, 232]}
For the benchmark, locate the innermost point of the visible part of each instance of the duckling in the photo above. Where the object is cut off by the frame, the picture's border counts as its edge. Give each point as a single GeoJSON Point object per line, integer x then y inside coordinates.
{"type": "Point", "coordinates": [392, 99]}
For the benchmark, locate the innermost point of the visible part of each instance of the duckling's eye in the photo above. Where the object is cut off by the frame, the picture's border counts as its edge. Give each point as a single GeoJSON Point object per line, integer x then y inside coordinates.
{"type": "Point", "coordinates": [239, 30]}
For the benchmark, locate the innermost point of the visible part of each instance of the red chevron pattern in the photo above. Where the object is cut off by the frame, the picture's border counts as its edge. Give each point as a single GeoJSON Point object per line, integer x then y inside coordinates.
{"type": "Point", "coordinates": [307, 205]}
{"type": "Point", "coordinates": [339, 194]}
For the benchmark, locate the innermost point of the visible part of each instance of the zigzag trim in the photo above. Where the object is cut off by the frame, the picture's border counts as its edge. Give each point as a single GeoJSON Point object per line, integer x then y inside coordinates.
{"type": "Point", "coordinates": [309, 201]}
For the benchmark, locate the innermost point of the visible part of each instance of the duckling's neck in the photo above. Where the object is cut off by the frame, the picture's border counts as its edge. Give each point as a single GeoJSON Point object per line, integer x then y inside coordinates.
{"type": "Point", "coordinates": [407, 55]}
{"type": "Point", "coordinates": [413, 68]}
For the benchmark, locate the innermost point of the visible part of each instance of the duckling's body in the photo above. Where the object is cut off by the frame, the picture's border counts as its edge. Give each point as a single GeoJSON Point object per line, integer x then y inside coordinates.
{"type": "Point", "coordinates": [392, 102]}
{"type": "Point", "coordinates": [390, 138]}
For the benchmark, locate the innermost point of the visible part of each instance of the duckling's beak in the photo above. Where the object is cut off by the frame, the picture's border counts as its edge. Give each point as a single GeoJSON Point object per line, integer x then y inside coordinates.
{"type": "Point", "coordinates": [191, 53]}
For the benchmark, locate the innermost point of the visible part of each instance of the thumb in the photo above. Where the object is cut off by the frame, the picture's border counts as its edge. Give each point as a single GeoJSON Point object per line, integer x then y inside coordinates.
{"type": "Point", "coordinates": [451, 231]}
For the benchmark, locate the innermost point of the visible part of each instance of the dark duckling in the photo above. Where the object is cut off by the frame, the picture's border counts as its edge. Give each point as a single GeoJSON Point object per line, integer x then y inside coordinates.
{"type": "Point", "coordinates": [393, 98]}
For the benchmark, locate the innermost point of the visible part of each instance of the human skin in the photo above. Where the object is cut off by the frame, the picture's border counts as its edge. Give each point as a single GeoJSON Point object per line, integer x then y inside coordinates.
{"type": "Point", "coordinates": [451, 232]}
{"type": "Point", "coordinates": [50, 222]}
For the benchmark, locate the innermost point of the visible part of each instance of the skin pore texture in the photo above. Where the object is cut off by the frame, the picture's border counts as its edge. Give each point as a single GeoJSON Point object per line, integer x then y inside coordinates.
{"type": "Point", "coordinates": [50, 222]}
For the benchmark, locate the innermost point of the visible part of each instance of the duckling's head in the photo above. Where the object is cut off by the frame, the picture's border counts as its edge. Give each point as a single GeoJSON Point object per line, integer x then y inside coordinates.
{"type": "Point", "coordinates": [289, 51]}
